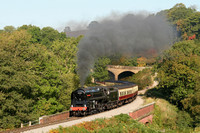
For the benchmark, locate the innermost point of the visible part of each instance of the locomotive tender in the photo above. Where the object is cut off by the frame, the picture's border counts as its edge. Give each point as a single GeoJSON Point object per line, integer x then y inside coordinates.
{"type": "Point", "coordinates": [85, 101]}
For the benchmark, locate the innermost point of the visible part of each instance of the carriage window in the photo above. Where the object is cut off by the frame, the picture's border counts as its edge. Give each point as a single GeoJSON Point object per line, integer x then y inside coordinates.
{"type": "Point", "coordinates": [122, 93]}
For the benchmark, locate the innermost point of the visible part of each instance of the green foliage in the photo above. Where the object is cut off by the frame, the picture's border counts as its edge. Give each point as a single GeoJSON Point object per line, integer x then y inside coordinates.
{"type": "Point", "coordinates": [118, 59]}
{"type": "Point", "coordinates": [34, 31]}
{"type": "Point", "coordinates": [49, 35]}
{"type": "Point", "coordinates": [9, 29]}
{"type": "Point", "coordinates": [45, 36]}
{"type": "Point", "coordinates": [35, 80]}
{"type": "Point", "coordinates": [142, 78]}
{"type": "Point", "coordinates": [100, 72]}
{"type": "Point", "coordinates": [66, 52]}
{"type": "Point", "coordinates": [14, 109]}
{"type": "Point", "coordinates": [179, 11]}
{"type": "Point", "coordinates": [184, 120]}
{"type": "Point", "coordinates": [122, 118]}
{"type": "Point", "coordinates": [129, 62]}
{"type": "Point", "coordinates": [190, 25]}
{"type": "Point", "coordinates": [192, 105]}
{"type": "Point", "coordinates": [178, 76]}
{"type": "Point", "coordinates": [47, 107]}
{"type": "Point", "coordinates": [185, 19]}
{"type": "Point", "coordinates": [169, 118]}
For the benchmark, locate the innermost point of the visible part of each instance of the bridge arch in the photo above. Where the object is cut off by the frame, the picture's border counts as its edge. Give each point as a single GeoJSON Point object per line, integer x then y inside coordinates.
{"type": "Point", "coordinates": [117, 69]}
{"type": "Point", "coordinates": [111, 75]}
{"type": "Point", "coordinates": [125, 74]}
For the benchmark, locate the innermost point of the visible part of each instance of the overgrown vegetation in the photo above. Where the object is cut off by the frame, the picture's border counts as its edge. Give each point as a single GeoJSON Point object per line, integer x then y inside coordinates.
{"type": "Point", "coordinates": [100, 72]}
{"type": "Point", "coordinates": [178, 76]}
{"type": "Point", "coordinates": [119, 124]}
{"type": "Point", "coordinates": [143, 78]}
{"type": "Point", "coordinates": [36, 78]}
{"type": "Point", "coordinates": [168, 117]}
{"type": "Point", "coordinates": [179, 67]}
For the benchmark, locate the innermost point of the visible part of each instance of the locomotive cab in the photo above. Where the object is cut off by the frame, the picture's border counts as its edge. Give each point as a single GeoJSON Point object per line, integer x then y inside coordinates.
{"type": "Point", "coordinates": [78, 102]}
{"type": "Point", "coordinates": [87, 100]}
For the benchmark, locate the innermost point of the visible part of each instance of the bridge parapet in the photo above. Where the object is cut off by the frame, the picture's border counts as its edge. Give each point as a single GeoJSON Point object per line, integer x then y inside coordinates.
{"type": "Point", "coordinates": [125, 67]}
{"type": "Point", "coordinates": [117, 69]}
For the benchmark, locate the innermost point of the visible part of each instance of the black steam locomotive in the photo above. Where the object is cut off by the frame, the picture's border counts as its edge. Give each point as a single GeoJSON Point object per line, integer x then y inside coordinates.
{"type": "Point", "coordinates": [85, 101]}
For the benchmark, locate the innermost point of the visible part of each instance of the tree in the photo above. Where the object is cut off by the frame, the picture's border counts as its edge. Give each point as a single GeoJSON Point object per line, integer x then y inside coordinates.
{"type": "Point", "coordinates": [179, 12]}
{"type": "Point", "coordinates": [141, 61]}
{"type": "Point", "coordinates": [142, 78]}
{"type": "Point", "coordinates": [190, 26]}
{"type": "Point", "coordinates": [178, 71]}
{"type": "Point", "coordinates": [178, 76]}
{"type": "Point", "coordinates": [192, 105]}
{"type": "Point", "coordinates": [34, 31]}
{"type": "Point", "coordinates": [66, 56]}
{"type": "Point", "coordinates": [49, 35]}
{"type": "Point", "coordinates": [35, 80]}
{"type": "Point", "coordinates": [14, 109]}
{"type": "Point", "coordinates": [45, 36]}
{"type": "Point", "coordinates": [17, 81]}
{"type": "Point", "coordinates": [100, 72]}
{"type": "Point", "coordinates": [66, 51]}
{"type": "Point", "coordinates": [132, 61]}
{"type": "Point", "coordinates": [9, 29]}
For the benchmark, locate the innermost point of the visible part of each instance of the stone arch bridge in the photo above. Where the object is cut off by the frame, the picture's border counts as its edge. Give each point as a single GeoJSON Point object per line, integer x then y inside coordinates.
{"type": "Point", "coordinates": [117, 70]}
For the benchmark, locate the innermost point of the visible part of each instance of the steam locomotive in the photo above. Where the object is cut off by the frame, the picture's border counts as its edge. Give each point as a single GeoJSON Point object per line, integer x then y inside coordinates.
{"type": "Point", "coordinates": [91, 100]}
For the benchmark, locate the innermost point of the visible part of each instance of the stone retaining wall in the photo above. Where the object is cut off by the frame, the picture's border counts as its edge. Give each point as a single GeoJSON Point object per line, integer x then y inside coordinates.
{"type": "Point", "coordinates": [143, 114]}
{"type": "Point", "coordinates": [53, 118]}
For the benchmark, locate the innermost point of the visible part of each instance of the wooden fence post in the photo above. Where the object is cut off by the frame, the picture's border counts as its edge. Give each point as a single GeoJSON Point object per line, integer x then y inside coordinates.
{"type": "Point", "coordinates": [21, 125]}
{"type": "Point", "coordinates": [29, 123]}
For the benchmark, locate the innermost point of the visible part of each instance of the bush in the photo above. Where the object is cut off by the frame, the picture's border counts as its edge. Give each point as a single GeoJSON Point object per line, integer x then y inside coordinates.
{"type": "Point", "coordinates": [184, 120]}
{"type": "Point", "coordinates": [122, 118]}
{"type": "Point", "coordinates": [142, 78]}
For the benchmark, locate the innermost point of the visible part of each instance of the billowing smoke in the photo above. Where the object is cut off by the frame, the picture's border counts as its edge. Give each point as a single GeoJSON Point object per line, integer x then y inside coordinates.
{"type": "Point", "coordinates": [132, 34]}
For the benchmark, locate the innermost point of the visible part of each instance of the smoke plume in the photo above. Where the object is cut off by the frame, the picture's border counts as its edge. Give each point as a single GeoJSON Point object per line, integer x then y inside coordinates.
{"type": "Point", "coordinates": [132, 34]}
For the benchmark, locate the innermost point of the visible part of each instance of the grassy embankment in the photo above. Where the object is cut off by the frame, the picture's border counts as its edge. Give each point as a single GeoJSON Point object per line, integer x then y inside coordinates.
{"type": "Point", "coordinates": [118, 124]}
{"type": "Point", "coordinates": [167, 118]}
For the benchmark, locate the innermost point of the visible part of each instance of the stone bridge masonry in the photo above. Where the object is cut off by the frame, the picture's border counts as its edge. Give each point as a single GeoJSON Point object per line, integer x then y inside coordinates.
{"type": "Point", "coordinates": [117, 69]}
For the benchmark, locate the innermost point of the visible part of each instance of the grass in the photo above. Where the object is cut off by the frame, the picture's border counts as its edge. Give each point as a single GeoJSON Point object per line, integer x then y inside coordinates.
{"type": "Point", "coordinates": [118, 124]}
{"type": "Point", "coordinates": [167, 118]}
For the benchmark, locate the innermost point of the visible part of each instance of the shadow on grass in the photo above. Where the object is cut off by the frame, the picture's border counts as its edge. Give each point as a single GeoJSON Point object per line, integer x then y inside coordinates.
{"type": "Point", "coordinates": [156, 93]}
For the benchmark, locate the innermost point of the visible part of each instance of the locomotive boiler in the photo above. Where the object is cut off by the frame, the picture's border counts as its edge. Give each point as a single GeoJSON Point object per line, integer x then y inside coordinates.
{"type": "Point", "coordinates": [85, 101]}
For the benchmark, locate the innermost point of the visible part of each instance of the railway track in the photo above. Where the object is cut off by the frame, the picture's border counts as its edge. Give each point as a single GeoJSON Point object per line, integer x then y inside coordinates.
{"type": "Point", "coordinates": [24, 129]}
{"type": "Point", "coordinates": [134, 104]}
{"type": "Point", "coordinates": [18, 130]}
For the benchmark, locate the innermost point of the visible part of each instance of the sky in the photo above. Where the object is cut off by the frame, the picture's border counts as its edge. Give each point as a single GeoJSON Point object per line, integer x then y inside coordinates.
{"type": "Point", "coordinates": [60, 13]}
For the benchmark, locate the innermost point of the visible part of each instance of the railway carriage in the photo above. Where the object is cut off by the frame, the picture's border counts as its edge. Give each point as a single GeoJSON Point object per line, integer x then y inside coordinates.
{"type": "Point", "coordinates": [92, 100]}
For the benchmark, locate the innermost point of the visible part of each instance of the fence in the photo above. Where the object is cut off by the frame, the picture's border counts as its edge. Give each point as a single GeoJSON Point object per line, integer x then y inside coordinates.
{"type": "Point", "coordinates": [30, 123]}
